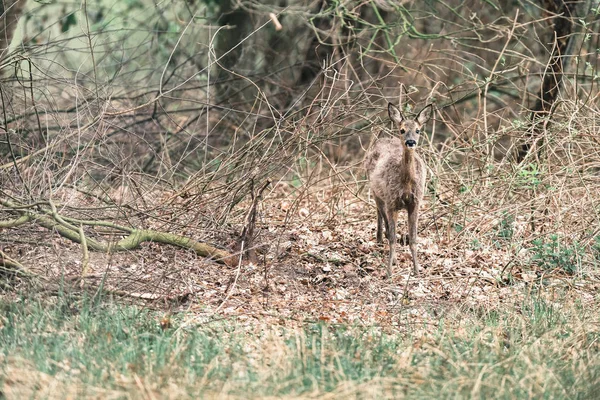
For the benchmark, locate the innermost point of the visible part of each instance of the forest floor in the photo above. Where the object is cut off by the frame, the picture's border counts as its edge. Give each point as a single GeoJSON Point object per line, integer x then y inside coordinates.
{"type": "Point", "coordinates": [315, 263]}
{"type": "Point", "coordinates": [314, 317]}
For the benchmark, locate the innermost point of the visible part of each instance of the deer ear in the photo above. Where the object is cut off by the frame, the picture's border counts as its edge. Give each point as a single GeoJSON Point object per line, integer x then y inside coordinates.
{"type": "Point", "coordinates": [395, 114]}
{"type": "Point", "coordinates": [424, 114]}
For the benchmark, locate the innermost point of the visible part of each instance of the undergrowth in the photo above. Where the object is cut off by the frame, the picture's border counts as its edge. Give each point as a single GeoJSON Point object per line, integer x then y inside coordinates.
{"type": "Point", "coordinates": [534, 348]}
{"type": "Point", "coordinates": [552, 254]}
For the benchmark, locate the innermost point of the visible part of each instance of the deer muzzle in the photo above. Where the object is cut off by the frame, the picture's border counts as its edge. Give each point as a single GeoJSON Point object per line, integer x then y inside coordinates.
{"type": "Point", "coordinates": [411, 143]}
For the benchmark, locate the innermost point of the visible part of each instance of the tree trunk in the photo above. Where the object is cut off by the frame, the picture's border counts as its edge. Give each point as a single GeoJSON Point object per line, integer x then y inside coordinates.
{"type": "Point", "coordinates": [562, 29]}
{"type": "Point", "coordinates": [10, 12]}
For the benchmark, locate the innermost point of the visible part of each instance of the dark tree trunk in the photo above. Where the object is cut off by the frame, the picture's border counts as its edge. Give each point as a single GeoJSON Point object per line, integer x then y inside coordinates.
{"type": "Point", "coordinates": [10, 12]}
{"type": "Point", "coordinates": [562, 29]}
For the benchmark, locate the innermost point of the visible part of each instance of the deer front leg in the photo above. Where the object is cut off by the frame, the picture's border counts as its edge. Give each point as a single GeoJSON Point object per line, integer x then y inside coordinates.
{"type": "Point", "coordinates": [392, 221]}
{"type": "Point", "coordinates": [413, 216]}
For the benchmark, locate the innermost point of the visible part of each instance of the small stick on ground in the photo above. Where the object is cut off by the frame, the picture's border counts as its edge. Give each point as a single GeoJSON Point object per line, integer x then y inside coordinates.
{"type": "Point", "coordinates": [11, 265]}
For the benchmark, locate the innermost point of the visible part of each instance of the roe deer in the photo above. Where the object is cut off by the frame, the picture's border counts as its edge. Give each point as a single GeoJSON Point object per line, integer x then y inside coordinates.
{"type": "Point", "coordinates": [397, 175]}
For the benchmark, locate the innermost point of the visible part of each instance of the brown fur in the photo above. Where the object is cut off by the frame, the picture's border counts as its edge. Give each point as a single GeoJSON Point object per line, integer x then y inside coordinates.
{"type": "Point", "coordinates": [397, 175]}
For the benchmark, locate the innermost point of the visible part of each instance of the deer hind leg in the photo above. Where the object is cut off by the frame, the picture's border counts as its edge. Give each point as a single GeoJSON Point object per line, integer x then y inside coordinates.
{"type": "Point", "coordinates": [413, 216]}
{"type": "Point", "coordinates": [381, 220]}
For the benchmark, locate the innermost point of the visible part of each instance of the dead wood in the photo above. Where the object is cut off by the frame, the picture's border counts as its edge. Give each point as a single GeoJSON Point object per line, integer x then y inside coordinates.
{"type": "Point", "coordinates": [69, 228]}
{"type": "Point", "coordinates": [247, 237]}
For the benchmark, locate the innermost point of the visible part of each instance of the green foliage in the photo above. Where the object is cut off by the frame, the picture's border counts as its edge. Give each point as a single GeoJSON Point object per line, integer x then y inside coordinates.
{"type": "Point", "coordinates": [476, 244]}
{"type": "Point", "coordinates": [68, 21]}
{"type": "Point", "coordinates": [529, 176]}
{"type": "Point", "coordinates": [463, 189]}
{"type": "Point", "coordinates": [551, 254]}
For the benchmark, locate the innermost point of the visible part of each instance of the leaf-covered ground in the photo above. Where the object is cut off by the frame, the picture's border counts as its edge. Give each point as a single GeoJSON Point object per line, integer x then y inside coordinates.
{"type": "Point", "coordinates": [316, 262]}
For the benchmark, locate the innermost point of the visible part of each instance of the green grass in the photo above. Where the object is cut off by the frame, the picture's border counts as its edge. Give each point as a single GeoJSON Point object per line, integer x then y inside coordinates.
{"type": "Point", "coordinates": [535, 348]}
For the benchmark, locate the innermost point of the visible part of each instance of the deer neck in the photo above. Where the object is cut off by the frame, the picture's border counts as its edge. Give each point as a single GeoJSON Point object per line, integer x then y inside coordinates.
{"type": "Point", "coordinates": [409, 172]}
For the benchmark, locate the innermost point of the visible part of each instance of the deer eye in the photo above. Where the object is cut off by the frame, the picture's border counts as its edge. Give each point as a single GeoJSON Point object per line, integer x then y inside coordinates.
{"type": "Point", "coordinates": [402, 131]}
{"type": "Point", "coordinates": [418, 131]}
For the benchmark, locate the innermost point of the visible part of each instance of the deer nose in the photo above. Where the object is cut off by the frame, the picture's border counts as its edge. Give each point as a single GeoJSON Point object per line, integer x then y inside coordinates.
{"type": "Point", "coordinates": [411, 143]}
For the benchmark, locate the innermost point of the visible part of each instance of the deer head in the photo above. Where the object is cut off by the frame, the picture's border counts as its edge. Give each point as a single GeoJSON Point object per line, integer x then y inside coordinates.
{"type": "Point", "coordinates": [409, 128]}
